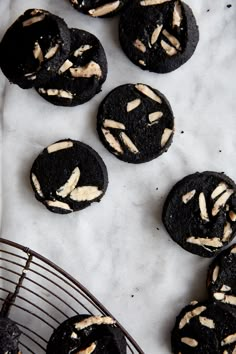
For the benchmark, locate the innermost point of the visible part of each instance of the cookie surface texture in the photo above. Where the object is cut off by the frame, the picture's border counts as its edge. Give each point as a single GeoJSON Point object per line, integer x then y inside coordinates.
{"type": "Point", "coordinates": [158, 35]}
{"type": "Point", "coordinates": [135, 123]}
{"type": "Point", "coordinates": [86, 334]}
{"type": "Point", "coordinates": [9, 336]}
{"type": "Point", "coordinates": [98, 8]}
{"type": "Point", "coordinates": [197, 212]}
{"type": "Point", "coordinates": [204, 328]}
{"type": "Point", "coordinates": [35, 46]}
{"type": "Point", "coordinates": [221, 280]}
{"type": "Point", "coordinates": [81, 75]}
{"type": "Point", "coordinates": [68, 176]}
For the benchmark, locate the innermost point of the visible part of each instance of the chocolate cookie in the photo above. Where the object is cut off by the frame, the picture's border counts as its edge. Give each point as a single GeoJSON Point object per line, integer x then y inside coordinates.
{"type": "Point", "coordinates": [98, 8]}
{"type": "Point", "coordinates": [204, 328]}
{"type": "Point", "coordinates": [68, 176]}
{"type": "Point", "coordinates": [81, 75]}
{"type": "Point", "coordinates": [9, 336]}
{"type": "Point", "coordinates": [135, 123]}
{"type": "Point", "coordinates": [87, 334]}
{"type": "Point", "coordinates": [221, 280]}
{"type": "Point", "coordinates": [34, 47]}
{"type": "Point", "coordinates": [199, 212]}
{"type": "Point", "coordinates": [158, 35]}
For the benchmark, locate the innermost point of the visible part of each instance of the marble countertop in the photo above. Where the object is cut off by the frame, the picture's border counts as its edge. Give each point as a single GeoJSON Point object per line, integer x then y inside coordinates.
{"type": "Point", "coordinates": [119, 248]}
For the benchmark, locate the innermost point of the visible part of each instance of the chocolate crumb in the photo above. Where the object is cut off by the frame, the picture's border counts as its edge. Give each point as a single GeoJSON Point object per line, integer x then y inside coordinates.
{"type": "Point", "coordinates": [182, 132]}
{"type": "Point", "coordinates": [229, 5]}
{"type": "Point", "coordinates": [208, 10]}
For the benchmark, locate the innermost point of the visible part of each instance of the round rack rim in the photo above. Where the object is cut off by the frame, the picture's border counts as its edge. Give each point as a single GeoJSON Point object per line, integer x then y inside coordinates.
{"type": "Point", "coordinates": [89, 296]}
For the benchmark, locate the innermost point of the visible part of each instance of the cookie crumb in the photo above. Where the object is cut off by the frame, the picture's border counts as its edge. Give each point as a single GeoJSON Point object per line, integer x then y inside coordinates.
{"type": "Point", "coordinates": [156, 188]}
{"type": "Point", "coordinates": [220, 150]}
{"type": "Point", "coordinates": [229, 5]}
{"type": "Point", "coordinates": [208, 10]}
{"type": "Point", "coordinates": [182, 132]}
{"type": "Point", "coordinates": [158, 228]}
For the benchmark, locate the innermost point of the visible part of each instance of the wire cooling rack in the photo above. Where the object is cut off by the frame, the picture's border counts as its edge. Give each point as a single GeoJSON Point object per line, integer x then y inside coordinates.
{"type": "Point", "coordinates": [38, 296]}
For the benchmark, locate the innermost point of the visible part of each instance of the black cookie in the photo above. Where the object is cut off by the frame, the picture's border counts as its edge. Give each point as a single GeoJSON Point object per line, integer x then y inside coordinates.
{"type": "Point", "coordinates": [198, 212]}
{"type": "Point", "coordinates": [68, 176]}
{"type": "Point", "coordinates": [92, 333]}
{"type": "Point", "coordinates": [34, 47]}
{"type": "Point", "coordinates": [204, 328]}
{"type": "Point", "coordinates": [221, 280]}
{"type": "Point", "coordinates": [9, 336]}
{"type": "Point", "coordinates": [81, 76]}
{"type": "Point", "coordinates": [98, 8]}
{"type": "Point", "coordinates": [158, 35]}
{"type": "Point", "coordinates": [135, 123]}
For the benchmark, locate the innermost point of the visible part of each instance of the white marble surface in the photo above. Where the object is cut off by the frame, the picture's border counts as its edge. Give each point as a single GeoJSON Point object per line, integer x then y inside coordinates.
{"type": "Point", "coordinates": [114, 248]}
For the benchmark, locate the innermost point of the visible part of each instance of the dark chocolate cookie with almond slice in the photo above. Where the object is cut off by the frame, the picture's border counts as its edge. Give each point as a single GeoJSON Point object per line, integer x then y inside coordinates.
{"type": "Point", "coordinates": [9, 336]}
{"type": "Point", "coordinates": [221, 279]}
{"type": "Point", "coordinates": [34, 47]}
{"type": "Point", "coordinates": [98, 8]}
{"type": "Point", "coordinates": [81, 75]}
{"type": "Point", "coordinates": [68, 176]}
{"type": "Point", "coordinates": [87, 334]}
{"type": "Point", "coordinates": [135, 123]}
{"type": "Point", "coordinates": [204, 328]}
{"type": "Point", "coordinates": [158, 35]}
{"type": "Point", "coordinates": [199, 212]}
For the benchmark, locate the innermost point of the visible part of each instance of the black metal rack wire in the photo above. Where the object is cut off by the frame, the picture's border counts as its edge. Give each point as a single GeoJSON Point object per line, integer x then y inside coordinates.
{"type": "Point", "coordinates": [40, 295]}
